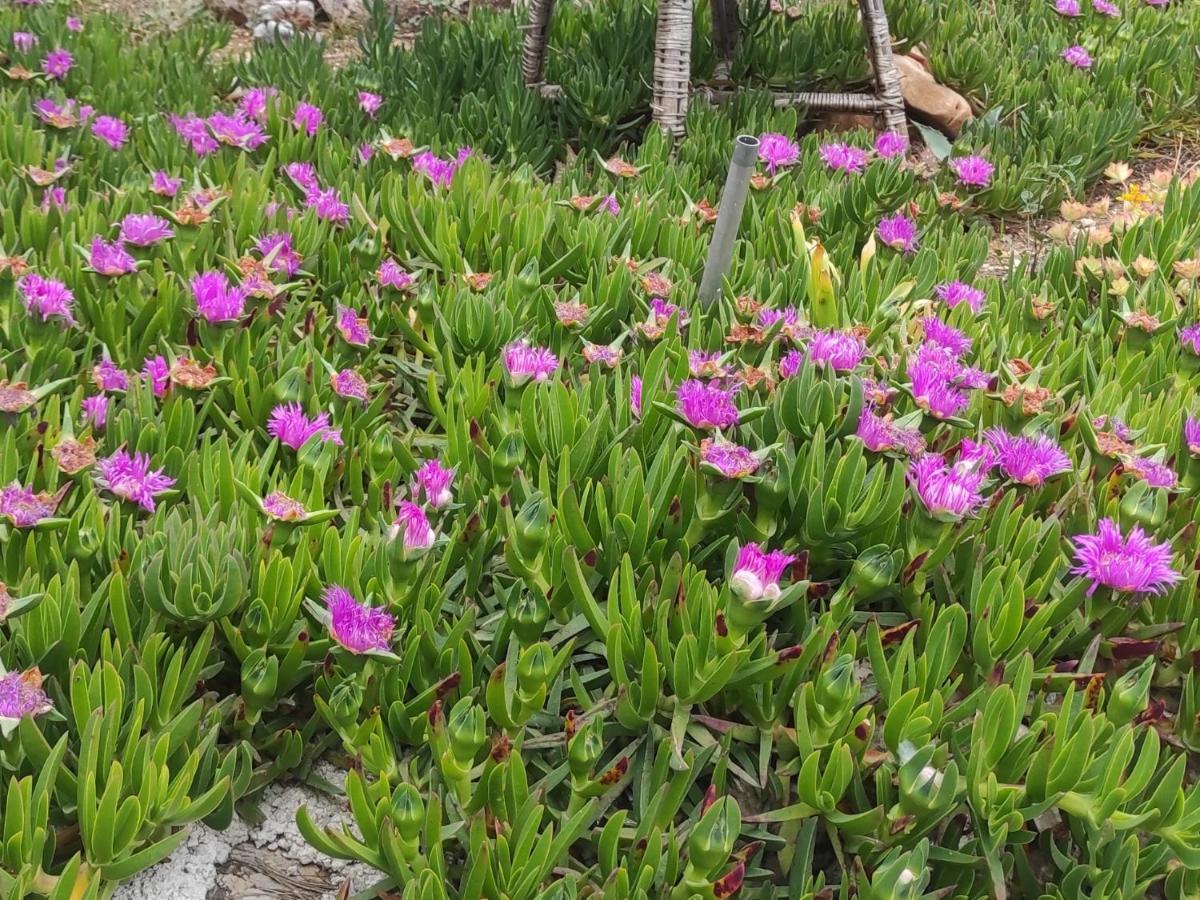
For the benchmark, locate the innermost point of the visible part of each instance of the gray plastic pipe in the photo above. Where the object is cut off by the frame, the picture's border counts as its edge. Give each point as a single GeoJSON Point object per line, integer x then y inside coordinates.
{"type": "Point", "coordinates": [729, 216]}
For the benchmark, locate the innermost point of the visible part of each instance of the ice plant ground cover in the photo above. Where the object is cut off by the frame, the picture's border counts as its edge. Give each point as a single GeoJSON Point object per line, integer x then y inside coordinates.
{"type": "Point", "coordinates": [369, 414]}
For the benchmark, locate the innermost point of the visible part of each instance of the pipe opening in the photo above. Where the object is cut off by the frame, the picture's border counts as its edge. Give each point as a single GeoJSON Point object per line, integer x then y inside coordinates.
{"type": "Point", "coordinates": [748, 140]}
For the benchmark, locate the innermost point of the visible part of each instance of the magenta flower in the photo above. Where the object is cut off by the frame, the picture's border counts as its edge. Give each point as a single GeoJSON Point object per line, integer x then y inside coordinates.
{"type": "Point", "coordinates": [1191, 435]}
{"type": "Point", "coordinates": [357, 627]}
{"type": "Point", "coordinates": [610, 205]}
{"type": "Point", "coordinates": [899, 232]}
{"type": "Point", "coordinates": [601, 353]}
{"type": "Point", "coordinates": [329, 205]}
{"type": "Point", "coordinates": [110, 259]}
{"type": "Point", "coordinates": [777, 151]}
{"type": "Point", "coordinates": [391, 275]}
{"type": "Point", "coordinates": [349, 384]}
{"type": "Point", "coordinates": [292, 427]}
{"type": "Point", "coordinates": [439, 171]}
{"type": "Point", "coordinates": [21, 695]}
{"type": "Point", "coordinates": [1077, 56]}
{"type": "Point", "coordinates": [23, 40]}
{"type": "Point", "coordinates": [1106, 9]}
{"type": "Point", "coordinates": [157, 373]}
{"type": "Point", "coordinates": [253, 104]}
{"type": "Point", "coordinates": [727, 459]}
{"type": "Point", "coordinates": [1068, 8]}
{"type": "Point", "coordinates": [1131, 565]}
{"type": "Point", "coordinates": [932, 373]}
{"type": "Point", "coordinates": [282, 508]}
{"type": "Point", "coordinates": [972, 171]}
{"type": "Point", "coordinates": [354, 331]}
{"type": "Point", "coordinates": [1115, 425]}
{"type": "Point", "coordinates": [1155, 474]}
{"type": "Point", "coordinates": [23, 508]}
{"type": "Point", "coordinates": [111, 130]}
{"type": "Point", "coordinates": [706, 364]}
{"type": "Point", "coordinates": [524, 362]}
{"type": "Point", "coordinates": [144, 229]}
{"type": "Point", "coordinates": [95, 411]}
{"type": "Point", "coordinates": [843, 158]}
{"type": "Point", "coordinates": [951, 492]}
{"type": "Point", "coordinates": [756, 574]}
{"type": "Point", "coordinates": [303, 175]}
{"type": "Point", "coordinates": [369, 103]}
{"type": "Point", "coordinates": [216, 300]}
{"type": "Point", "coordinates": [790, 364]}
{"type": "Point", "coordinates": [278, 247]}
{"type": "Point", "coordinates": [109, 377]}
{"type": "Point", "coordinates": [54, 198]}
{"type": "Point", "coordinates": [366, 153]}
{"type": "Point", "coordinates": [236, 131]}
{"type": "Point", "coordinates": [413, 524]}
{"type": "Point", "coordinates": [164, 185]}
{"type": "Point", "coordinates": [131, 478]}
{"type": "Point", "coordinates": [58, 63]}
{"type": "Point", "coordinates": [635, 396]}
{"type": "Point", "coordinates": [1029, 460]}
{"type": "Point", "coordinates": [194, 130]}
{"type": "Point", "coordinates": [1189, 336]}
{"type": "Point", "coordinates": [882, 435]}
{"type": "Point", "coordinates": [307, 118]}
{"type": "Point", "coordinates": [891, 144]}
{"type": "Point", "coordinates": [706, 406]}
{"type": "Point", "coordinates": [955, 292]}
{"type": "Point", "coordinates": [47, 298]}
{"type": "Point", "coordinates": [74, 24]}
{"type": "Point", "coordinates": [434, 480]}
{"type": "Point", "coordinates": [837, 349]}
{"type": "Point", "coordinates": [946, 336]}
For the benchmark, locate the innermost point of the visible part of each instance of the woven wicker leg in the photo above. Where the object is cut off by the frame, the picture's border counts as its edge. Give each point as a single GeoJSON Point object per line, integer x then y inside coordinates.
{"type": "Point", "coordinates": [537, 34]}
{"type": "Point", "coordinates": [887, 78]}
{"type": "Point", "coordinates": [725, 35]}
{"type": "Point", "coordinates": [672, 64]}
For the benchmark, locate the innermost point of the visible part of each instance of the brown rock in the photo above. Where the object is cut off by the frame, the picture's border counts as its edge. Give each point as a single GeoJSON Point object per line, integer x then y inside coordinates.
{"type": "Point", "coordinates": [927, 100]}
{"type": "Point", "coordinates": [844, 121]}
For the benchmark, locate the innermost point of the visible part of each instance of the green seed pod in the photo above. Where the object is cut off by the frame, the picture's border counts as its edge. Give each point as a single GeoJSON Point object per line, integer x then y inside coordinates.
{"type": "Point", "coordinates": [1145, 505]}
{"type": "Point", "coordinates": [345, 701]}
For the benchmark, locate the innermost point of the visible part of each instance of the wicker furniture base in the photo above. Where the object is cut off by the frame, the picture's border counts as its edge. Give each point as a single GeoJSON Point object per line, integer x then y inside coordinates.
{"type": "Point", "coordinates": [672, 64]}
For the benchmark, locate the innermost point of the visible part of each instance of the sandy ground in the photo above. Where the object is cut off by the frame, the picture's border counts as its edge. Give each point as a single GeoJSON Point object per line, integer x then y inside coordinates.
{"type": "Point", "coordinates": [270, 861]}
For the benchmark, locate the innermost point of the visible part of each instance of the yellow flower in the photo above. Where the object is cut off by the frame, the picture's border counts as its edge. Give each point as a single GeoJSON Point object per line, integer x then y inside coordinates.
{"type": "Point", "coordinates": [1134, 195]}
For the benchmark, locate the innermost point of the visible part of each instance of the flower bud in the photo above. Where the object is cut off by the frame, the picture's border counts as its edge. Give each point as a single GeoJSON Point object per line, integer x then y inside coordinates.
{"type": "Point", "coordinates": [467, 730]}
{"type": "Point", "coordinates": [529, 612]}
{"type": "Point", "coordinates": [506, 457]}
{"type": "Point", "coordinates": [532, 526]}
{"type": "Point", "coordinates": [836, 688]}
{"type": "Point", "coordinates": [535, 668]}
{"type": "Point", "coordinates": [584, 749]}
{"type": "Point", "coordinates": [260, 678]}
{"type": "Point", "coordinates": [382, 450]}
{"type": "Point", "coordinates": [1131, 693]}
{"type": "Point", "coordinates": [345, 701]}
{"type": "Point", "coordinates": [711, 841]}
{"type": "Point", "coordinates": [1145, 505]}
{"type": "Point", "coordinates": [408, 812]}
{"type": "Point", "coordinates": [875, 569]}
